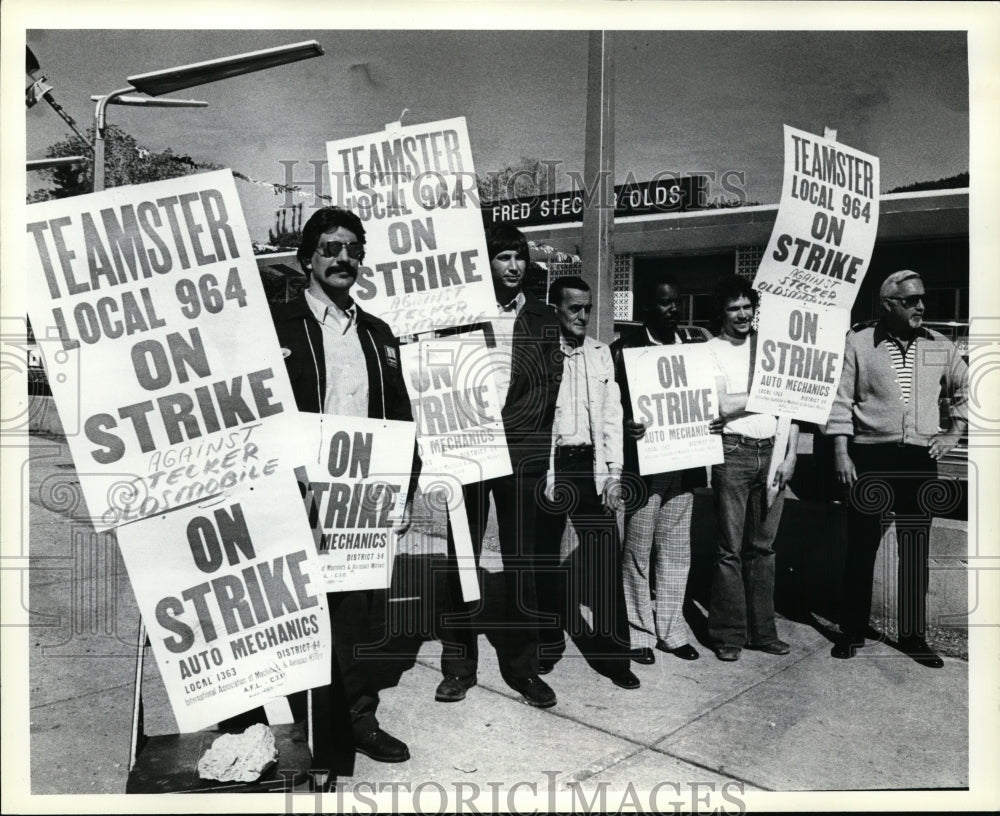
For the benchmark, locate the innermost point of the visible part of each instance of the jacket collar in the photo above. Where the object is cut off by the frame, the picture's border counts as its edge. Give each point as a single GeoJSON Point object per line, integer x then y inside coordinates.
{"type": "Point", "coordinates": [881, 333]}
{"type": "Point", "coordinates": [298, 307]}
{"type": "Point", "coordinates": [534, 305]}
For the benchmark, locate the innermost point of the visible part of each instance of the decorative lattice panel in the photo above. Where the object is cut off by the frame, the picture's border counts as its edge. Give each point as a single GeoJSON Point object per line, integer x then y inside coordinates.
{"type": "Point", "coordinates": [622, 287]}
{"type": "Point", "coordinates": [621, 282]}
{"type": "Point", "coordinates": [747, 260]}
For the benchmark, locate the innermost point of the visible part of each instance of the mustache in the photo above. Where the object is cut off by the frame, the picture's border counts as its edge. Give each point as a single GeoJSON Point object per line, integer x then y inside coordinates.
{"type": "Point", "coordinates": [343, 267]}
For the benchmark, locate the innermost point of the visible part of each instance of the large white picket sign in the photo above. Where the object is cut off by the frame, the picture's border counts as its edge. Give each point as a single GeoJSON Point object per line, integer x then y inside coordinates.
{"type": "Point", "coordinates": [231, 595]}
{"type": "Point", "coordinates": [673, 393]}
{"type": "Point", "coordinates": [456, 406]}
{"type": "Point", "coordinates": [142, 292]}
{"type": "Point", "coordinates": [800, 351]}
{"type": "Point", "coordinates": [414, 189]}
{"type": "Point", "coordinates": [825, 230]}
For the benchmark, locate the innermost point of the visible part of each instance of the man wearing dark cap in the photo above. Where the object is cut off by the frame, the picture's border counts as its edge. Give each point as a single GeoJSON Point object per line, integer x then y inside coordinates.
{"type": "Point", "coordinates": [524, 335]}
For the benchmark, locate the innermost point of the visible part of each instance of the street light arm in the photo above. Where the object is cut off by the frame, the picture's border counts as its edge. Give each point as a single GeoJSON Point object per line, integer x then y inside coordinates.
{"type": "Point", "coordinates": [151, 102]}
{"type": "Point", "coordinates": [99, 125]}
{"type": "Point", "coordinates": [156, 83]}
{"type": "Point", "coordinates": [102, 104]}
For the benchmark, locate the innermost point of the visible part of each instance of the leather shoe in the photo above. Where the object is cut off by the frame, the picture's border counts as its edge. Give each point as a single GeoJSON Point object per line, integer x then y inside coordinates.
{"type": "Point", "coordinates": [918, 649]}
{"type": "Point", "coordinates": [534, 691]}
{"type": "Point", "coordinates": [380, 746]}
{"type": "Point", "coordinates": [644, 655]}
{"type": "Point", "coordinates": [685, 652]}
{"type": "Point", "coordinates": [727, 653]}
{"type": "Point", "coordinates": [775, 647]}
{"type": "Point", "coordinates": [625, 679]}
{"type": "Point", "coordinates": [452, 689]}
{"type": "Point", "coordinates": [546, 666]}
{"type": "Point", "coordinates": [845, 648]}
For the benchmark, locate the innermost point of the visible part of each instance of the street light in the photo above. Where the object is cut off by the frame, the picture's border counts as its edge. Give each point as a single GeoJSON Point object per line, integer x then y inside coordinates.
{"type": "Point", "coordinates": [118, 98]}
{"type": "Point", "coordinates": [166, 80]}
{"type": "Point", "coordinates": [200, 73]}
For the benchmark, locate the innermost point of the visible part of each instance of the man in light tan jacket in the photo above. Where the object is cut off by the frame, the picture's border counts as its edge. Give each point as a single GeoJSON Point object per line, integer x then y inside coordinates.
{"type": "Point", "coordinates": [583, 593]}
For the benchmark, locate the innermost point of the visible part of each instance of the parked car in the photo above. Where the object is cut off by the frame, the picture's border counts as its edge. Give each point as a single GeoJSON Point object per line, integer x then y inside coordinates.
{"type": "Point", "coordinates": [688, 332]}
{"type": "Point", "coordinates": [955, 330]}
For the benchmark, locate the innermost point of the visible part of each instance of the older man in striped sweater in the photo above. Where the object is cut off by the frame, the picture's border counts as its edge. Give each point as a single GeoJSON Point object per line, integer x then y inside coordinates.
{"type": "Point", "coordinates": [886, 435]}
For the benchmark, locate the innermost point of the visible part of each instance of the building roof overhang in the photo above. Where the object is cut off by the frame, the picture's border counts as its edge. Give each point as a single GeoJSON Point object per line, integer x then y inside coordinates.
{"type": "Point", "coordinates": [903, 216]}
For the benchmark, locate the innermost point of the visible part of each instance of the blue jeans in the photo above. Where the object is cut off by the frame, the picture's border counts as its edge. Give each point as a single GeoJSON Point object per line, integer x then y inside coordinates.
{"type": "Point", "coordinates": [741, 609]}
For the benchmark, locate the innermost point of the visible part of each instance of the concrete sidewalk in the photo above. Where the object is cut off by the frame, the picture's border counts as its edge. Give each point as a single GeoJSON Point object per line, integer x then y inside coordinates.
{"type": "Point", "coordinates": [795, 723]}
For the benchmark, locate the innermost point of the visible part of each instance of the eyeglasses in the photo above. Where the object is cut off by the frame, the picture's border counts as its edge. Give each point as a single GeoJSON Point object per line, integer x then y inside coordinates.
{"type": "Point", "coordinates": [909, 301]}
{"type": "Point", "coordinates": [332, 249]}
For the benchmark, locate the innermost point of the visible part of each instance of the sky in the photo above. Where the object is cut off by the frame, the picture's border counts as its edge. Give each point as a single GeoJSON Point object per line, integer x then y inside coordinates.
{"type": "Point", "coordinates": [685, 101]}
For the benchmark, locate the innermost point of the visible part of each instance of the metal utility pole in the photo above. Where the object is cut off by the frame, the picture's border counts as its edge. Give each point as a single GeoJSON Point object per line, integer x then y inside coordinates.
{"type": "Point", "coordinates": [598, 245]}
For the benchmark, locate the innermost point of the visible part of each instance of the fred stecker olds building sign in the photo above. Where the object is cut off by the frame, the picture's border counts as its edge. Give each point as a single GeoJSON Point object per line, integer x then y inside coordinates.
{"type": "Point", "coordinates": [669, 194]}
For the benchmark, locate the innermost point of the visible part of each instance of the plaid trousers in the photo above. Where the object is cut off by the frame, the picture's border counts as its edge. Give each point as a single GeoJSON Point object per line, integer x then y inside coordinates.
{"type": "Point", "coordinates": [663, 525]}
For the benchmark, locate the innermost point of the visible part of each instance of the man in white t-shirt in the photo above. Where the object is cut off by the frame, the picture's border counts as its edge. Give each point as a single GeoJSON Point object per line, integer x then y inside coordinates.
{"type": "Point", "coordinates": [741, 609]}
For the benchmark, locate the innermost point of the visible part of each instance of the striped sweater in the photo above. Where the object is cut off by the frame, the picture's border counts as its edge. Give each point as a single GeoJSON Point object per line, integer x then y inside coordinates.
{"type": "Point", "coordinates": [875, 403]}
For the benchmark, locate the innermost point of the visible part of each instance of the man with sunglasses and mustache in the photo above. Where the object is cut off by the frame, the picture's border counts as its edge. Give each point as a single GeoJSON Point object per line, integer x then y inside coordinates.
{"type": "Point", "coordinates": [886, 436]}
{"type": "Point", "coordinates": [342, 360]}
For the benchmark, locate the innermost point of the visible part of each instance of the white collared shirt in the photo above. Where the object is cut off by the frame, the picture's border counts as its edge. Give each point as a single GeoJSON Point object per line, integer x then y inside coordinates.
{"type": "Point", "coordinates": [572, 424]}
{"type": "Point", "coordinates": [503, 334]}
{"type": "Point", "coordinates": [346, 370]}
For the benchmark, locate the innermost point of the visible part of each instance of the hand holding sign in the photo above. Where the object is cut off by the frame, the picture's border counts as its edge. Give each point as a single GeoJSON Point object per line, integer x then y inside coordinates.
{"type": "Point", "coordinates": [673, 401]}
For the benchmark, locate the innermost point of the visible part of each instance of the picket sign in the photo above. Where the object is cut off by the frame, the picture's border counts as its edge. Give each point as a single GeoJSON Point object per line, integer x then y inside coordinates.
{"type": "Point", "coordinates": [465, 555]}
{"type": "Point", "coordinates": [784, 422]}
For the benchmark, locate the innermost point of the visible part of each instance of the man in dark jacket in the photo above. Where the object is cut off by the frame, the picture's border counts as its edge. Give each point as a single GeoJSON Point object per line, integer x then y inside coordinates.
{"type": "Point", "coordinates": [342, 360]}
{"type": "Point", "coordinates": [524, 336]}
{"type": "Point", "coordinates": [657, 516]}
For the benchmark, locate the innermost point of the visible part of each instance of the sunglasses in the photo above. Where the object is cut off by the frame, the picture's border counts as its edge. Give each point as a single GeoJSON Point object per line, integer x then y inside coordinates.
{"type": "Point", "coordinates": [332, 249]}
{"type": "Point", "coordinates": [909, 301]}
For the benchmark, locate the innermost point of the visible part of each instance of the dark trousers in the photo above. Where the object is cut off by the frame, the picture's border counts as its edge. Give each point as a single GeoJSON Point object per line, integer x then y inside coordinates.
{"type": "Point", "coordinates": [352, 616]}
{"type": "Point", "coordinates": [590, 577]}
{"type": "Point", "coordinates": [894, 485]}
{"type": "Point", "coordinates": [741, 608]}
{"type": "Point", "coordinates": [513, 629]}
